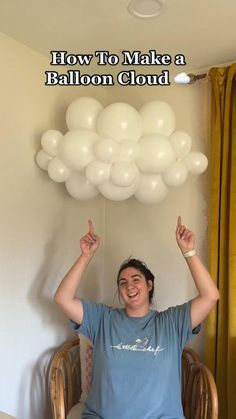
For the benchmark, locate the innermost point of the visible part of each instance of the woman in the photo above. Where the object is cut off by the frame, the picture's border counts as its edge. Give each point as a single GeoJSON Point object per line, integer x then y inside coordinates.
{"type": "Point", "coordinates": [137, 351]}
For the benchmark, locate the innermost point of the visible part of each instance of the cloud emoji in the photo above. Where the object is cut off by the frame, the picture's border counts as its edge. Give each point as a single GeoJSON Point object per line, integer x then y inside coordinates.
{"type": "Point", "coordinates": [182, 78]}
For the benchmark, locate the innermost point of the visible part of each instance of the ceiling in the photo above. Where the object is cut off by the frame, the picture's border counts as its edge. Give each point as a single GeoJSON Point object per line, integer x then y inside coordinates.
{"type": "Point", "coordinates": [204, 31]}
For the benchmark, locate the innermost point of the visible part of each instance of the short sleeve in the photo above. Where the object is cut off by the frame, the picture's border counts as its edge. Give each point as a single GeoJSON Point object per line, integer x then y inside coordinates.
{"type": "Point", "coordinates": [181, 315]}
{"type": "Point", "coordinates": [92, 315]}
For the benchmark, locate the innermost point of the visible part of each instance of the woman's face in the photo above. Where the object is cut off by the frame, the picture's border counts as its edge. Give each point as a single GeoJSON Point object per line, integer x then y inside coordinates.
{"type": "Point", "coordinates": [134, 291]}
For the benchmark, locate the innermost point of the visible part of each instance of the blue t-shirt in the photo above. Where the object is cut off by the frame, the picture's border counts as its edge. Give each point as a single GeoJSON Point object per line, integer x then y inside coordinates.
{"type": "Point", "coordinates": [136, 362]}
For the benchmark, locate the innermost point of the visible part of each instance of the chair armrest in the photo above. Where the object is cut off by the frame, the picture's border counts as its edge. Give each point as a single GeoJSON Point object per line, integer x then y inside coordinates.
{"type": "Point", "coordinates": [199, 392]}
{"type": "Point", "coordinates": [64, 379]}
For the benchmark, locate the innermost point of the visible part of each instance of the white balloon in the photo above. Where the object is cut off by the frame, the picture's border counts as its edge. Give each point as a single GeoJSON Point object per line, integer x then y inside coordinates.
{"type": "Point", "coordinates": [176, 174]}
{"type": "Point", "coordinates": [83, 113]}
{"type": "Point", "coordinates": [98, 172]}
{"type": "Point", "coordinates": [151, 189]}
{"type": "Point", "coordinates": [124, 174]}
{"type": "Point", "coordinates": [117, 193]}
{"type": "Point", "coordinates": [196, 162]}
{"type": "Point", "coordinates": [81, 188]}
{"type": "Point", "coordinates": [76, 148]}
{"type": "Point", "coordinates": [50, 140]}
{"type": "Point", "coordinates": [156, 154]}
{"type": "Point", "coordinates": [181, 143]}
{"type": "Point", "coordinates": [157, 118]}
{"type": "Point", "coordinates": [58, 171]}
{"type": "Point", "coordinates": [106, 150]}
{"type": "Point", "coordinates": [128, 151]}
{"type": "Point", "coordinates": [119, 121]}
{"type": "Point", "coordinates": [43, 159]}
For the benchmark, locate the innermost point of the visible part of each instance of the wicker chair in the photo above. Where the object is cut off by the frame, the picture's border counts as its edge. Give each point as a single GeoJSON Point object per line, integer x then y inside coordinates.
{"type": "Point", "coordinates": [65, 379]}
{"type": "Point", "coordinates": [199, 393]}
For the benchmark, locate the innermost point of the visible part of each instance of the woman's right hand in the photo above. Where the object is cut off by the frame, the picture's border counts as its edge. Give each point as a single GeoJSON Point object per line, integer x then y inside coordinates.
{"type": "Point", "coordinates": [90, 242]}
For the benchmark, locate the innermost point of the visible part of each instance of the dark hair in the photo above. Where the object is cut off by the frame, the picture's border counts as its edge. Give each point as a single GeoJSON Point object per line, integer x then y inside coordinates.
{"type": "Point", "coordinates": [142, 268]}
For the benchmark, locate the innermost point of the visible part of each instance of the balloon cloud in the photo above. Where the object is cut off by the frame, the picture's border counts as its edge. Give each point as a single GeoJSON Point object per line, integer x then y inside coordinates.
{"type": "Point", "coordinates": [119, 152]}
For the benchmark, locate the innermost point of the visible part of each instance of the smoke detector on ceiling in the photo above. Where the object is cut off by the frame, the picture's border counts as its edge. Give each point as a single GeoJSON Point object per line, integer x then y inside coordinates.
{"type": "Point", "coordinates": [145, 9]}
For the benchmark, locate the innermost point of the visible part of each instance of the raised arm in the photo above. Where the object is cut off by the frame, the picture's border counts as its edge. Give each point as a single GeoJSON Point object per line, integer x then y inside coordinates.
{"type": "Point", "coordinates": [65, 294]}
{"type": "Point", "coordinates": [208, 293]}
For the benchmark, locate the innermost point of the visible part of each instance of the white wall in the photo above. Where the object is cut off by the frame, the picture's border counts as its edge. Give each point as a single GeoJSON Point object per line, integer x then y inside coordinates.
{"type": "Point", "coordinates": [40, 230]}
{"type": "Point", "coordinates": [41, 225]}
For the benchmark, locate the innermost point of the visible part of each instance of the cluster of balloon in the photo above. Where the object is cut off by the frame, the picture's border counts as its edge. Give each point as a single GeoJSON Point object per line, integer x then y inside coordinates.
{"type": "Point", "coordinates": [119, 151]}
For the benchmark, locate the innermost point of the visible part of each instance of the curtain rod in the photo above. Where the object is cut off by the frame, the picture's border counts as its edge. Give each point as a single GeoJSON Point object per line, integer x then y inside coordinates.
{"type": "Point", "coordinates": [196, 77]}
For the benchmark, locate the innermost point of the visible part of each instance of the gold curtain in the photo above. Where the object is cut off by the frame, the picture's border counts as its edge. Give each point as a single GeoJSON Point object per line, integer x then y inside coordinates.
{"type": "Point", "coordinates": [220, 351]}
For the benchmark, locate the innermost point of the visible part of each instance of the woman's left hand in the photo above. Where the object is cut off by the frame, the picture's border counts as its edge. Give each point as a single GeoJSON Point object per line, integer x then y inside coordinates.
{"type": "Point", "coordinates": [185, 238]}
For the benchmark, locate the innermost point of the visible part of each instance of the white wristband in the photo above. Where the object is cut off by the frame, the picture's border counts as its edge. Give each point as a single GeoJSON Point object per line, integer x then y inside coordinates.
{"type": "Point", "coordinates": [190, 253]}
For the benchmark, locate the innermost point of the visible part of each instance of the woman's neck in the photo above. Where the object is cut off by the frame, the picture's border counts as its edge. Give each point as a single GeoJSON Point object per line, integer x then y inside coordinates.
{"type": "Point", "coordinates": [138, 312]}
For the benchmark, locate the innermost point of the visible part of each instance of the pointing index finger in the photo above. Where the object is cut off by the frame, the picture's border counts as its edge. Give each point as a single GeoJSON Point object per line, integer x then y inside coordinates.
{"type": "Point", "coordinates": [91, 228]}
{"type": "Point", "coordinates": [179, 222]}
